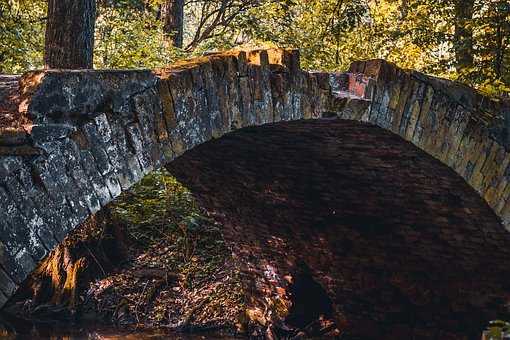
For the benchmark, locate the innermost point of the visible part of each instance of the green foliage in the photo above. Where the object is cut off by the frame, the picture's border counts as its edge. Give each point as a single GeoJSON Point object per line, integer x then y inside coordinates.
{"type": "Point", "coordinates": [318, 27]}
{"type": "Point", "coordinates": [159, 210]}
{"type": "Point", "coordinates": [154, 207]}
{"type": "Point", "coordinates": [497, 330]}
{"type": "Point", "coordinates": [130, 36]}
{"type": "Point", "coordinates": [491, 70]}
{"type": "Point", "coordinates": [22, 25]}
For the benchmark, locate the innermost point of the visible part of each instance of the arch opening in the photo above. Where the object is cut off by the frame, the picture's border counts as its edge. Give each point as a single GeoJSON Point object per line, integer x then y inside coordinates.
{"type": "Point", "coordinates": [402, 245]}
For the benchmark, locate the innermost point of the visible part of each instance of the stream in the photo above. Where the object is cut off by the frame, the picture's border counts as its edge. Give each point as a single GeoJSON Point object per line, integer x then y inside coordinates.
{"type": "Point", "coordinates": [11, 328]}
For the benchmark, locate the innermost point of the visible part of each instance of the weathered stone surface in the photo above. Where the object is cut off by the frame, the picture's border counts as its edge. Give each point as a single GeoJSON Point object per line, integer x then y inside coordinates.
{"type": "Point", "coordinates": [60, 95]}
{"type": "Point", "coordinates": [49, 132]}
{"type": "Point", "coordinates": [93, 134]}
{"type": "Point", "coordinates": [19, 150]}
{"type": "Point", "coordinates": [7, 284]}
{"type": "Point", "coordinates": [12, 137]}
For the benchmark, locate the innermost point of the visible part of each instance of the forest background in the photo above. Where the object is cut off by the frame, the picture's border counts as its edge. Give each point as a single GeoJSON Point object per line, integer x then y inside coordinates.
{"type": "Point", "coordinates": [464, 40]}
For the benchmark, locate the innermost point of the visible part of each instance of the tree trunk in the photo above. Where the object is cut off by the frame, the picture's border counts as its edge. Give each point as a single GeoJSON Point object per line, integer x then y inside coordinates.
{"type": "Point", "coordinates": [463, 36]}
{"type": "Point", "coordinates": [500, 21]}
{"type": "Point", "coordinates": [70, 34]}
{"type": "Point", "coordinates": [173, 21]}
{"type": "Point", "coordinates": [404, 9]}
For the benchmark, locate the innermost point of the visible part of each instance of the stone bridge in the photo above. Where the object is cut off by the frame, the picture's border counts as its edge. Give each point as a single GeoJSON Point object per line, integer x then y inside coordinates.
{"type": "Point", "coordinates": [75, 140]}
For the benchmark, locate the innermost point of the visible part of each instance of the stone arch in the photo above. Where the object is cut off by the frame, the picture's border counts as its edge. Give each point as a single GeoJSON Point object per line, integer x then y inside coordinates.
{"type": "Point", "coordinates": [392, 234]}
{"type": "Point", "coordinates": [93, 134]}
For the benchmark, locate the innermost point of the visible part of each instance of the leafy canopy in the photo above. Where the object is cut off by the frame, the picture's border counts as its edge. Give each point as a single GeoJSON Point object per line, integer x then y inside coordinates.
{"type": "Point", "coordinates": [418, 34]}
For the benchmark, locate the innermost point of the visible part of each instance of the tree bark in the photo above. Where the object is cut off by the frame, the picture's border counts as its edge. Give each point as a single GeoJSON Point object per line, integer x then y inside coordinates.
{"type": "Point", "coordinates": [70, 34]}
{"type": "Point", "coordinates": [173, 21]}
{"type": "Point", "coordinates": [463, 35]}
{"type": "Point", "coordinates": [501, 37]}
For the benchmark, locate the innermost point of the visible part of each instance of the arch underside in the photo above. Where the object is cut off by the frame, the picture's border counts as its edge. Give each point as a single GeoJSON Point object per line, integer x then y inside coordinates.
{"type": "Point", "coordinates": [400, 242]}
{"type": "Point", "coordinates": [93, 134]}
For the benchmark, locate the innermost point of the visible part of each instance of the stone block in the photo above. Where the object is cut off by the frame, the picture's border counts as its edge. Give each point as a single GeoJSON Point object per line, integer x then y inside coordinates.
{"type": "Point", "coordinates": [13, 137]}
{"type": "Point", "coordinates": [50, 132]}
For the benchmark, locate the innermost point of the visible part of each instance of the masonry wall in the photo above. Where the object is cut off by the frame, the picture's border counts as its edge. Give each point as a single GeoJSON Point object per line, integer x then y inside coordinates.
{"type": "Point", "coordinates": [89, 135]}
{"type": "Point", "coordinates": [450, 121]}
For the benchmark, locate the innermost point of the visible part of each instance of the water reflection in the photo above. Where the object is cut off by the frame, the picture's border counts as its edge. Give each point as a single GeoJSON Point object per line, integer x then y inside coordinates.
{"type": "Point", "coordinates": [13, 328]}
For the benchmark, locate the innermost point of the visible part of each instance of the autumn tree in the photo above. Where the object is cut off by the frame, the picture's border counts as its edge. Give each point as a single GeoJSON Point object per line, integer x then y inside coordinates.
{"type": "Point", "coordinates": [463, 34]}
{"type": "Point", "coordinates": [69, 40]}
{"type": "Point", "coordinates": [318, 27]}
{"type": "Point", "coordinates": [173, 21]}
{"type": "Point", "coordinates": [492, 45]}
{"type": "Point", "coordinates": [131, 34]}
{"type": "Point", "coordinates": [21, 35]}
{"type": "Point", "coordinates": [217, 20]}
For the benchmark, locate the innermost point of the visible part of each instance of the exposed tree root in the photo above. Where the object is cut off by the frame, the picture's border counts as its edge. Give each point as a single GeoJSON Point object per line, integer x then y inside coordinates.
{"type": "Point", "coordinates": [53, 289]}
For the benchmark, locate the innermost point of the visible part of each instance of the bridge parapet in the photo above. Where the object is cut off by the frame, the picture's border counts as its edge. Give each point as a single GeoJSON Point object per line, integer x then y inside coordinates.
{"type": "Point", "coordinates": [89, 135]}
{"type": "Point", "coordinates": [450, 121]}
